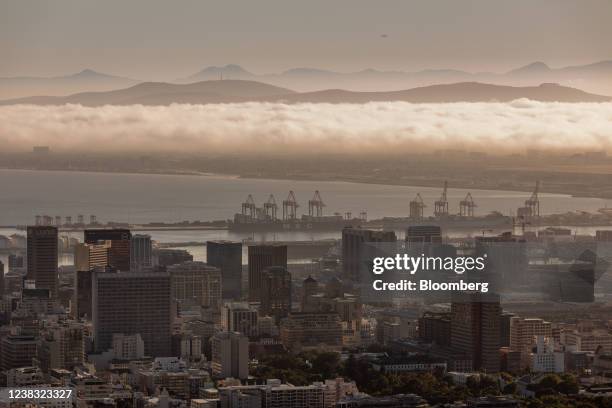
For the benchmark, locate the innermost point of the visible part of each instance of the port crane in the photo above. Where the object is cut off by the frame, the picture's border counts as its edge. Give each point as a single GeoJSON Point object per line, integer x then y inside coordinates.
{"type": "Point", "coordinates": [290, 206]}
{"type": "Point", "coordinates": [248, 207]}
{"type": "Point", "coordinates": [271, 208]}
{"type": "Point", "coordinates": [315, 206]}
{"type": "Point", "coordinates": [533, 203]}
{"type": "Point", "coordinates": [441, 205]}
{"type": "Point", "coordinates": [466, 206]}
{"type": "Point", "coordinates": [416, 207]}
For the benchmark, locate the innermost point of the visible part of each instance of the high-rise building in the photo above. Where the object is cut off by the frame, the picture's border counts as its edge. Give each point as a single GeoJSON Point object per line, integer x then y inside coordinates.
{"type": "Point", "coordinates": [18, 351]}
{"type": "Point", "coordinates": [475, 328]}
{"type": "Point", "coordinates": [353, 250]}
{"type": "Point", "coordinates": [141, 249]}
{"type": "Point", "coordinates": [61, 346]}
{"type": "Point", "coordinates": [90, 256]}
{"type": "Point", "coordinates": [164, 257]}
{"type": "Point", "coordinates": [505, 329]}
{"type": "Point", "coordinates": [260, 258]}
{"type": "Point", "coordinates": [133, 303]}
{"type": "Point", "coordinates": [227, 256]}
{"type": "Point", "coordinates": [523, 332]}
{"type": "Point", "coordinates": [42, 257]}
{"type": "Point", "coordinates": [435, 328]}
{"type": "Point", "coordinates": [1, 279]}
{"type": "Point", "coordinates": [196, 283]}
{"type": "Point", "coordinates": [230, 355]}
{"type": "Point", "coordinates": [310, 287]}
{"type": "Point", "coordinates": [82, 297]}
{"type": "Point", "coordinates": [87, 258]}
{"type": "Point", "coordinates": [240, 317]}
{"type": "Point", "coordinates": [119, 253]}
{"type": "Point", "coordinates": [276, 292]}
{"type": "Point", "coordinates": [15, 262]}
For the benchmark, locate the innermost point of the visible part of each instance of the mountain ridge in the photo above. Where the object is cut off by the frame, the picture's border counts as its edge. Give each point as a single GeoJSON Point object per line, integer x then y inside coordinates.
{"type": "Point", "coordinates": [236, 91]}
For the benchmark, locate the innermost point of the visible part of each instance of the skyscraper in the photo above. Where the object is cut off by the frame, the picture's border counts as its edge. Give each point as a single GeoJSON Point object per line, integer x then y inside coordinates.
{"type": "Point", "coordinates": [42, 257]}
{"type": "Point", "coordinates": [119, 253]}
{"type": "Point", "coordinates": [276, 292]}
{"type": "Point", "coordinates": [353, 252]}
{"type": "Point", "coordinates": [475, 328]}
{"type": "Point", "coordinates": [260, 258]}
{"type": "Point", "coordinates": [230, 355]}
{"type": "Point", "coordinates": [227, 256]}
{"type": "Point", "coordinates": [87, 258]}
{"type": "Point", "coordinates": [133, 303]}
{"type": "Point", "coordinates": [61, 346]}
{"type": "Point", "coordinates": [141, 249]}
{"type": "Point", "coordinates": [1, 279]}
{"type": "Point", "coordinates": [90, 256]}
{"type": "Point", "coordinates": [310, 287]}
{"type": "Point", "coordinates": [82, 298]}
{"type": "Point", "coordinates": [240, 317]}
{"type": "Point", "coordinates": [196, 283]}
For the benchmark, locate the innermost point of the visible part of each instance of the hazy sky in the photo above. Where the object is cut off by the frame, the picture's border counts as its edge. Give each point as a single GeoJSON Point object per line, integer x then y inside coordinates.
{"type": "Point", "coordinates": [154, 39]}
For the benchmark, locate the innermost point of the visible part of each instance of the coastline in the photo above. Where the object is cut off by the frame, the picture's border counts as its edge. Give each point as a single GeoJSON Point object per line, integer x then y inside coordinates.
{"type": "Point", "coordinates": [296, 177]}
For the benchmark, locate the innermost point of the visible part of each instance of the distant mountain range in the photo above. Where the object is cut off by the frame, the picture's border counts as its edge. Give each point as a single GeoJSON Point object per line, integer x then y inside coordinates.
{"type": "Point", "coordinates": [594, 78]}
{"type": "Point", "coordinates": [86, 80]}
{"type": "Point", "coordinates": [235, 90]}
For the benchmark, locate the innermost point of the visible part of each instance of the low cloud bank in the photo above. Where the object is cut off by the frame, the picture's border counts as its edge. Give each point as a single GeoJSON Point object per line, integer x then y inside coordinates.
{"type": "Point", "coordinates": [310, 128]}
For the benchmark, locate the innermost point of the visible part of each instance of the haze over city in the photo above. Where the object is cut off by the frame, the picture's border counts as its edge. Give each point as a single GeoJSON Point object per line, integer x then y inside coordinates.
{"type": "Point", "coordinates": [314, 204]}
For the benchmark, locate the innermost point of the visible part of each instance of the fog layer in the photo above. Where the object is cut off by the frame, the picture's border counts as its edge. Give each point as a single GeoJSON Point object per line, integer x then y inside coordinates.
{"type": "Point", "coordinates": [310, 128]}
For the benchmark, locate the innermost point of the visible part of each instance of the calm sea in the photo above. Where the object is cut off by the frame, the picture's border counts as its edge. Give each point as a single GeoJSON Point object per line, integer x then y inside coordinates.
{"type": "Point", "coordinates": [141, 198]}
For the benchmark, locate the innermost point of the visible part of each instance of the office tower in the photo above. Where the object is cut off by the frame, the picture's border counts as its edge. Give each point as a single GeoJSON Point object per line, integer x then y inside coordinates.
{"type": "Point", "coordinates": [504, 329]}
{"type": "Point", "coordinates": [42, 257]}
{"type": "Point", "coordinates": [475, 320]}
{"type": "Point", "coordinates": [141, 249]}
{"type": "Point", "coordinates": [506, 262]}
{"type": "Point", "coordinates": [276, 292]}
{"type": "Point", "coordinates": [18, 351]}
{"type": "Point", "coordinates": [133, 303]}
{"type": "Point", "coordinates": [260, 258]}
{"type": "Point", "coordinates": [196, 283]}
{"type": "Point", "coordinates": [435, 328]}
{"type": "Point", "coordinates": [240, 317]}
{"type": "Point", "coordinates": [317, 330]}
{"type": "Point", "coordinates": [61, 346]}
{"type": "Point", "coordinates": [523, 333]}
{"type": "Point", "coordinates": [426, 234]}
{"type": "Point", "coordinates": [1, 279]}
{"type": "Point", "coordinates": [15, 262]}
{"type": "Point", "coordinates": [119, 253]}
{"type": "Point", "coordinates": [310, 287]}
{"type": "Point", "coordinates": [354, 253]}
{"type": "Point", "coordinates": [164, 257]}
{"type": "Point", "coordinates": [81, 305]}
{"type": "Point", "coordinates": [90, 256]}
{"type": "Point", "coordinates": [87, 258]}
{"type": "Point", "coordinates": [227, 256]}
{"type": "Point", "coordinates": [230, 355]}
